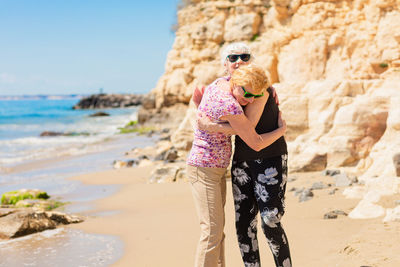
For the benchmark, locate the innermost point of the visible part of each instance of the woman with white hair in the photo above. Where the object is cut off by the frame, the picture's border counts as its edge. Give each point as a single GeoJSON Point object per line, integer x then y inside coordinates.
{"type": "Point", "coordinates": [210, 155]}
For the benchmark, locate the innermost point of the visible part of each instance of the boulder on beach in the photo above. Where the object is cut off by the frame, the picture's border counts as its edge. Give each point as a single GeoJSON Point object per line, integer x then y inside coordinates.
{"type": "Point", "coordinates": [28, 211]}
{"type": "Point", "coordinates": [118, 164]}
{"type": "Point", "coordinates": [20, 222]}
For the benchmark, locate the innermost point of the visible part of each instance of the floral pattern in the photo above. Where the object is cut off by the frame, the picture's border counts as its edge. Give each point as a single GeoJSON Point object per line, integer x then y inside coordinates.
{"type": "Point", "coordinates": [270, 217]}
{"type": "Point", "coordinates": [273, 246]}
{"type": "Point", "coordinates": [287, 263]}
{"type": "Point", "coordinates": [268, 176]}
{"type": "Point", "coordinates": [259, 186]}
{"type": "Point", "coordinates": [240, 175]}
{"type": "Point", "coordinates": [213, 149]}
{"type": "Point", "coordinates": [237, 195]}
{"type": "Point", "coordinates": [261, 192]}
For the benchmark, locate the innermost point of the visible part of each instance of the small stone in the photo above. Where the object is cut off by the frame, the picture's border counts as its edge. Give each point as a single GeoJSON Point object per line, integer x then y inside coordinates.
{"type": "Point", "coordinates": [354, 180]}
{"type": "Point", "coordinates": [318, 186]}
{"type": "Point", "coordinates": [130, 163]}
{"type": "Point", "coordinates": [164, 174]}
{"type": "Point", "coordinates": [181, 175]}
{"type": "Point", "coordinates": [99, 114]}
{"type": "Point", "coordinates": [150, 133]}
{"type": "Point", "coordinates": [118, 164]}
{"type": "Point", "coordinates": [342, 180]}
{"type": "Point", "coordinates": [334, 214]}
{"type": "Point", "coordinates": [165, 137]}
{"type": "Point", "coordinates": [299, 191]}
{"type": "Point", "coordinates": [291, 179]}
{"type": "Point", "coordinates": [292, 189]}
{"type": "Point", "coordinates": [397, 202]}
{"type": "Point", "coordinates": [333, 191]}
{"type": "Point", "coordinates": [171, 155]}
{"type": "Point", "coordinates": [330, 215]}
{"type": "Point", "coordinates": [330, 172]}
{"type": "Point", "coordinates": [307, 194]}
{"type": "Point", "coordinates": [142, 157]}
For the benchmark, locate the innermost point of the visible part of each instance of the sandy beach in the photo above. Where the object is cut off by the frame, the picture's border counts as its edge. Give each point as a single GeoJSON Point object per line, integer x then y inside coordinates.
{"type": "Point", "coordinates": [158, 225]}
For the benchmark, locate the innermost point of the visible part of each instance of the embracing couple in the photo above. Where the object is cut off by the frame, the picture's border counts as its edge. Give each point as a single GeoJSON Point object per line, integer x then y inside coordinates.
{"type": "Point", "coordinates": [242, 104]}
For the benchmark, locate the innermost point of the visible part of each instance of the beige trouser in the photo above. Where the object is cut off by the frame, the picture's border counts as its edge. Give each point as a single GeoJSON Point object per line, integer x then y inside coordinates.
{"type": "Point", "coordinates": [209, 193]}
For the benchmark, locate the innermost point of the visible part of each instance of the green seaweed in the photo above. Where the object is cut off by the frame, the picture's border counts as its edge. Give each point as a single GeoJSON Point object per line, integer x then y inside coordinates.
{"type": "Point", "coordinates": [12, 197]}
{"type": "Point", "coordinates": [133, 127]}
{"type": "Point", "coordinates": [383, 65]}
{"type": "Point", "coordinates": [43, 195]}
{"type": "Point", "coordinates": [54, 205]}
{"type": "Point", "coordinates": [12, 200]}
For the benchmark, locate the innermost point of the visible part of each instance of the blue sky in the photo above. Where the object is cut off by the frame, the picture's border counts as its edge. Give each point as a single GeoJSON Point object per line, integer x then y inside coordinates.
{"type": "Point", "coordinates": [79, 46]}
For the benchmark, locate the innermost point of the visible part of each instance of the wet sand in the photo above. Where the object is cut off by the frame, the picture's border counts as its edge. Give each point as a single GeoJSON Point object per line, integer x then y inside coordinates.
{"type": "Point", "coordinates": [158, 225]}
{"type": "Point", "coordinates": [61, 247]}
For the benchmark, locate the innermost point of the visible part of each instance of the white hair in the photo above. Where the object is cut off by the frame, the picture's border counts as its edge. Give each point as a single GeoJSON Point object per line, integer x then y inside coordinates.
{"type": "Point", "coordinates": [235, 48]}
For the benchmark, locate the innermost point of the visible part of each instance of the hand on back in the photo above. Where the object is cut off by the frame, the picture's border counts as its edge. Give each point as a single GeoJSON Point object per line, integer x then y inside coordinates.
{"type": "Point", "coordinates": [202, 122]}
{"type": "Point", "coordinates": [198, 95]}
{"type": "Point", "coordinates": [275, 95]}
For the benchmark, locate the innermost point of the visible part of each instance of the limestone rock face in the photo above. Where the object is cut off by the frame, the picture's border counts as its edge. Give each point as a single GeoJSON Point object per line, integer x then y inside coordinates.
{"type": "Point", "coordinates": [334, 64]}
{"type": "Point", "coordinates": [241, 27]}
{"type": "Point", "coordinates": [302, 60]}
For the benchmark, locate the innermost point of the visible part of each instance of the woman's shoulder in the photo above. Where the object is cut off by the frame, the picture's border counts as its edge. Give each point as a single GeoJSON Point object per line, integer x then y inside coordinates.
{"type": "Point", "coordinates": [223, 85]}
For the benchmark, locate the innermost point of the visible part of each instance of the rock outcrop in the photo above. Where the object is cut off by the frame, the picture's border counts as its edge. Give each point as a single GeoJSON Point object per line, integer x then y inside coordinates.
{"type": "Point", "coordinates": [20, 222]}
{"type": "Point", "coordinates": [334, 64]}
{"type": "Point", "coordinates": [28, 211]}
{"type": "Point", "coordinates": [109, 101]}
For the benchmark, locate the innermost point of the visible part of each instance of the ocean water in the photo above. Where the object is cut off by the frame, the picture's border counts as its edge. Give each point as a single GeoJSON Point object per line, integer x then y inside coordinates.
{"type": "Point", "coordinates": [22, 122]}
{"type": "Point", "coordinates": [30, 161]}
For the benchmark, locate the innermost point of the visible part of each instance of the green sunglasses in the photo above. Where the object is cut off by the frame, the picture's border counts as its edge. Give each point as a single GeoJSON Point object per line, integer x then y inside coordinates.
{"type": "Point", "coordinates": [250, 95]}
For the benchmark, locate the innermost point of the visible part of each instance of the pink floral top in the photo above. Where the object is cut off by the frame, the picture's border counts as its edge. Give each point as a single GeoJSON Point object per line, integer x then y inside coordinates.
{"type": "Point", "coordinates": [213, 150]}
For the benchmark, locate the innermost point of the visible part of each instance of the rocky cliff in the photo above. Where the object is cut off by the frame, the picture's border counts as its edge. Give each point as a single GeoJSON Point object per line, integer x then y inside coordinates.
{"type": "Point", "coordinates": [334, 64]}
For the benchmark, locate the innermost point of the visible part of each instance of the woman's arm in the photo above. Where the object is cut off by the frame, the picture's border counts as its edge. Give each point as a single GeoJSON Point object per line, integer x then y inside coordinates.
{"type": "Point", "coordinates": [244, 128]}
{"type": "Point", "coordinates": [253, 112]}
{"type": "Point", "coordinates": [205, 124]}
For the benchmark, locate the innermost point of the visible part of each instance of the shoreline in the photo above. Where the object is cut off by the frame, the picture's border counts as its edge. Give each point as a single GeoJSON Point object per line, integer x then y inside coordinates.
{"type": "Point", "coordinates": [158, 224]}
